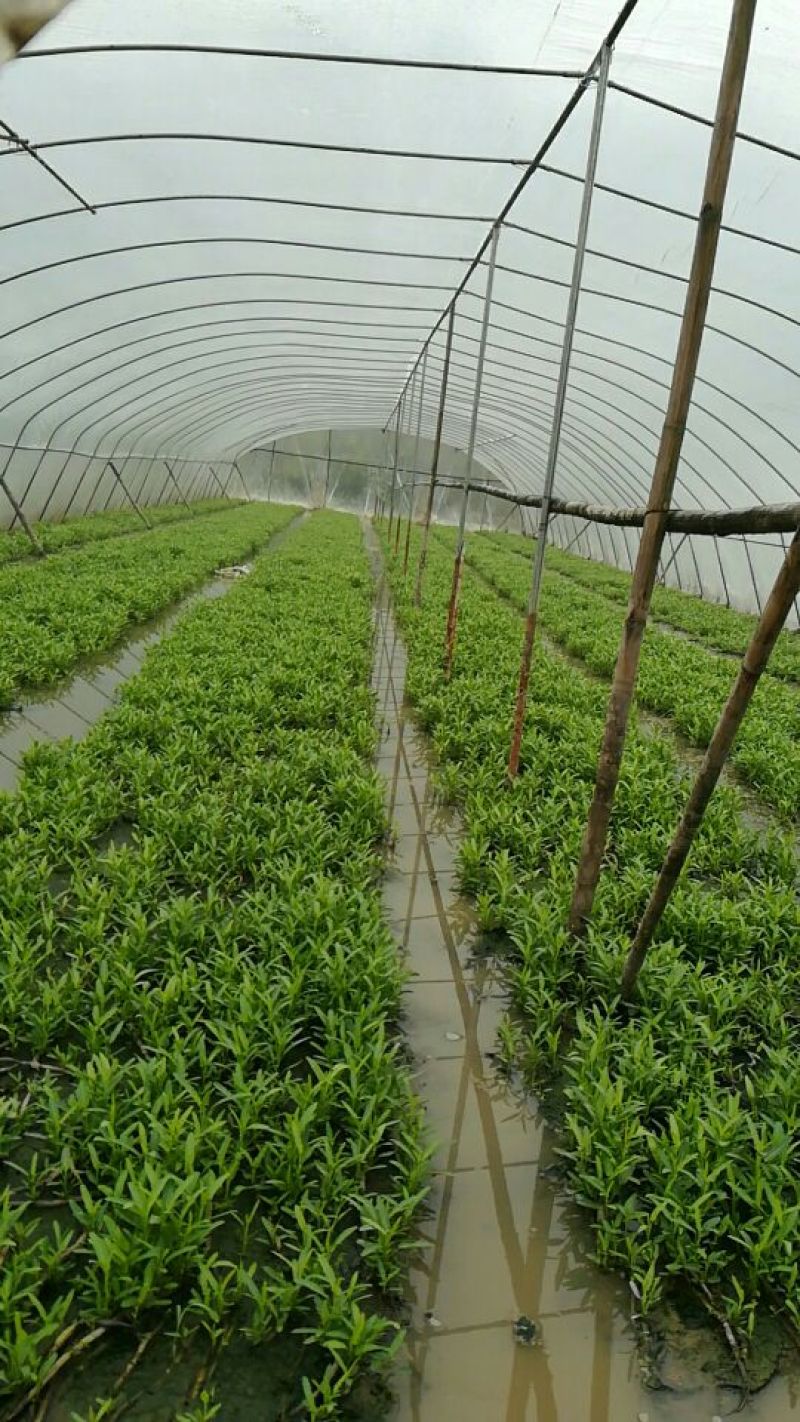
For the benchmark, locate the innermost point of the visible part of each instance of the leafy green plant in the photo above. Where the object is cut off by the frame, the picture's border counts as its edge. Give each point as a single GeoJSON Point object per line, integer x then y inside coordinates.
{"type": "Point", "coordinates": [685, 682]}
{"type": "Point", "coordinates": [79, 603]}
{"type": "Point", "coordinates": [204, 1006]}
{"type": "Point", "coordinates": [678, 1115]}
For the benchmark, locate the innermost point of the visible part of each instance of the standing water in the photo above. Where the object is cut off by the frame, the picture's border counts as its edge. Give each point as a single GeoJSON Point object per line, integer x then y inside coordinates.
{"type": "Point", "coordinates": [510, 1320]}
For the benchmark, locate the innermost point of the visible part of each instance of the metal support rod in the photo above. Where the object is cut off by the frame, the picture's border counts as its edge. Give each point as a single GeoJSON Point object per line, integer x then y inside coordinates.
{"type": "Point", "coordinates": [458, 562]}
{"type": "Point", "coordinates": [18, 513]}
{"type": "Point", "coordinates": [754, 663]}
{"type": "Point", "coordinates": [129, 496]}
{"type": "Point", "coordinates": [540, 547]}
{"type": "Point", "coordinates": [667, 460]}
{"type": "Point", "coordinates": [178, 489]}
{"type": "Point", "coordinates": [420, 403]}
{"type": "Point", "coordinates": [437, 449]}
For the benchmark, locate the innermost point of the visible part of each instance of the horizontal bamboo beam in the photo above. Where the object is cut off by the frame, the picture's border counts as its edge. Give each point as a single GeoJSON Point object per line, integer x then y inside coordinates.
{"type": "Point", "coordinates": [763, 518]}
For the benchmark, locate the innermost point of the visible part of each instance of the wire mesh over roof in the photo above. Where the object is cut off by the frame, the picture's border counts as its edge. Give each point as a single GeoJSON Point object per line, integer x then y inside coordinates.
{"type": "Point", "coordinates": [227, 224]}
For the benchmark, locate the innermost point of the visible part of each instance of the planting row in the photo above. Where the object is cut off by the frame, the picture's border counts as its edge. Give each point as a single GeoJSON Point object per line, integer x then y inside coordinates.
{"type": "Point", "coordinates": [718, 627]}
{"type": "Point", "coordinates": [57, 610]}
{"type": "Point", "coordinates": [680, 1114]}
{"type": "Point", "coordinates": [91, 528]}
{"type": "Point", "coordinates": [200, 997]}
{"type": "Point", "coordinates": [676, 678]}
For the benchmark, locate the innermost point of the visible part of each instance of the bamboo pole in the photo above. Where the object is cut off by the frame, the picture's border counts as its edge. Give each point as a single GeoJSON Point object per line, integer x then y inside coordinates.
{"type": "Point", "coordinates": [401, 486]}
{"type": "Point", "coordinates": [270, 472]}
{"type": "Point", "coordinates": [394, 472]}
{"type": "Point", "coordinates": [217, 480]}
{"type": "Point", "coordinates": [754, 663]}
{"type": "Point", "coordinates": [420, 402]}
{"type": "Point", "coordinates": [327, 472]}
{"type": "Point", "coordinates": [458, 561]}
{"type": "Point", "coordinates": [18, 512]}
{"type": "Point", "coordinates": [540, 546]}
{"type": "Point", "coordinates": [437, 449]}
{"type": "Point", "coordinates": [408, 527]}
{"type": "Point", "coordinates": [129, 496]}
{"type": "Point", "coordinates": [666, 466]}
{"type": "Point", "coordinates": [717, 523]}
{"type": "Point", "coordinates": [247, 493]}
{"type": "Point", "coordinates": [178, 489]}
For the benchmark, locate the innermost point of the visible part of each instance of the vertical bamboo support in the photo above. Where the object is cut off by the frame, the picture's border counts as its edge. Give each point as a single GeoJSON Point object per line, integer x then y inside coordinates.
{"type": "Point", "coordinates": [754, 663]}
{"type": "Point", "coordinates": [407, 549]}
{"type": "Point", "coordinates": [540, 547]}
{"type": "Point", "coordinates": [217, 480]}
{"type": "Point", "coordinates": [129, 496]}
{"type": "Point", "coordinates": [327, 473]}
{"type": "Point", "coordinates": [18, 513]}
{"type": "Point", "coordinates": [458, 561]}
{"type": "Point", "coordinates": [247, 493]}
{"type": "Point", "coordinates": [177, 487]}
{"type": "Point", "coordinates": [402, 469]}
{"type": "Point", "coordinates": [394, 472]}
{"type": "Point", "coordinates": [666, 466]}
{"type": "Point", "coordinates": [437, 448]}
{"type": "Point", "coordinates": [192, 490]}
{"type": "Point", "coordinates": [420, 401]}
{"type": "Point", "coordinates": [270, 472]}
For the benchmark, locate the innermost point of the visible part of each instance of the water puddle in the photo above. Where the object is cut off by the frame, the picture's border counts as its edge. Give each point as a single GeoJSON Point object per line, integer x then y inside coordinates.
{"type": "Point", "coordinates": [72, 709]}
{"type": "Point", "coordinates": [504, 1254]}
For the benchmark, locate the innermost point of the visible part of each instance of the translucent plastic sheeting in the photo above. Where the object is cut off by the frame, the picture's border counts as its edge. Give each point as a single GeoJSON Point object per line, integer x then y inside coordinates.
{"type": "Point", "coordinates": [251, 272]}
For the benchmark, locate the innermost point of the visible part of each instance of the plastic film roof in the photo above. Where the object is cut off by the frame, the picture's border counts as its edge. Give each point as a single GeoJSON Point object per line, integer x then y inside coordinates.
{"type": "Point", "coordinates": [273, 239]}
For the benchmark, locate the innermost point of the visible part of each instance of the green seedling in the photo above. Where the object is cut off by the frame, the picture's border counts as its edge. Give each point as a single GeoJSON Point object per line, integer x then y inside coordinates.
{"type": "Point", "coordinates": [679, 1117]}
{"type": "Point", "coordinates": [197, 978]}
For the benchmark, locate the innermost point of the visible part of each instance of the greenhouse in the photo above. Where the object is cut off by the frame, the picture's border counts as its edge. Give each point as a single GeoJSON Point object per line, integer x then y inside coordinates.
{"type": "Point", "coordinates": [399, 711]}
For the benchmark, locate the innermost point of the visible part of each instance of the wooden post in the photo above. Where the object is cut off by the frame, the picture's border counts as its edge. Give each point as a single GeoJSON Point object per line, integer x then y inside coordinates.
{"type": "Point", "coordinates": [666, 466]}
{"type": "Point", "coordinates": [17, 507]}
{"type": "Point", "coordinates": [437, 448]}
{"type": "Point", "coordinates": [129, 496]}
{"type": "Point", "coordinates": [784, 591]}
{"type": "Point", "coordinates": [458, 561]}
{"type": "Point", "coordinates": [540, 547]}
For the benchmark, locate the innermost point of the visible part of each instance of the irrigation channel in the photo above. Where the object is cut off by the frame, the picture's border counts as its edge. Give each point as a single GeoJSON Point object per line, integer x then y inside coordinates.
{"type": "Point", "coordinates": [72, 709]}
{"type": "Point", "coordinates": [501, 1243]}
